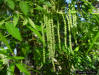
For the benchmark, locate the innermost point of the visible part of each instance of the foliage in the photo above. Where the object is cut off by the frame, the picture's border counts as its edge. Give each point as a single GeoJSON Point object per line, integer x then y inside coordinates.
{"type": "Point", "coordinates": [44, 37]}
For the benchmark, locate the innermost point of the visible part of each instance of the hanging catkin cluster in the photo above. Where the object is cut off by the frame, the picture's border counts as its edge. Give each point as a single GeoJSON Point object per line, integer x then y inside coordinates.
{"type": "Point", "coordinates": [48, 22]}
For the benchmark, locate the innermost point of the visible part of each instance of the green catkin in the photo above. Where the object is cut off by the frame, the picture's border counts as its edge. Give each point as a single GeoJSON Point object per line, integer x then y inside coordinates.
{"type": "Point", "coordinates": [50, 43]}
{"type": "Point", "coordinates": [50, 39]}
{"type": "Point", "coordinates": [58, 32]}
{"type": "Point", "coordinates": [53, 35]}
{"type": "Point", "coordinates": [53, 42]}
{"type": "Point", "coordinates": [69, 19]}
{"type": "Point", "coordinates": [65, 30]}
{"type": "Point", "coordinates": [48, 21]}
{"type": "Point", "coordinates": [48, 32]}
{"type": "Point", "coordinates": [43, 37]}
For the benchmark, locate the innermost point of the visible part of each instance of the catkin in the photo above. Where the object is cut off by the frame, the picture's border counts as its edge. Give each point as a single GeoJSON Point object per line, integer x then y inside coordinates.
{"type": "Point", "coordinates": [48, 21]}
{"type": "Point", "coordinates": [58, 33]}
{"type": "Point", "coordinates": [69, 19]}
{"type": "Point", "coordinates": [65, 30]}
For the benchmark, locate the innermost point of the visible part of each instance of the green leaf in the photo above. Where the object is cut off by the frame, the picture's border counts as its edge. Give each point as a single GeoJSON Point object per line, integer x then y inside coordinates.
{"type": "Point", "coordinates": [1, 22]}
{"type": "Point", "coordinates": [38, 28]}
{"type": "Point", "coordinates": [73, 12]}
{"type": "Point", "coordinates": [10, 69]}
{"type": "Point", "coordinates": [36, 32]}
{"type": "Point", "coordinates": [15, 19]}
{"type": "Point", "coordinates": [11, 4]}
{"type": "Point", "coordinates": [24, 7]}
{"type": "Point", "coordinates": [31, 23]}
{"type": "Point", "coordinates": [39, 8]}
{"type": "Point", "coordinates": [2, 38]}
{"type": "Point", "coordinates": [93, 42]}
{"type": "Point", "coordinates": [89, 59]}
{"type": "Point", "coordinates": [18, 57]}
{"type": "Point", "coordinates": [3, 52]}
{"type": "Point", "coordinates": [76, 49]}
{"type": "Point", "coordinates": [25, 21]}
{"type": "Point", "coordinates": [22, 68]}
{"type": "Point", "coordinates": [48, 3]}
{"type": "Point", "coordinates": [13, 31]}
{"type": "Point", "coordinates": [14, 57]}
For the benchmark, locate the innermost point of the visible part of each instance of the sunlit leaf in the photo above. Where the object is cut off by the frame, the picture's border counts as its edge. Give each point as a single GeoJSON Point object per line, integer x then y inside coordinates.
{"type": "Point", "coordinates": [4, 40]}
{"type": "Point", "coordinates": [25, 21]}
{"type": "Point", "coordinates": [89, 58]}
{"type": "Point", "coordinates": [36, 32]}
{"type": "Point", "coordinates": [93, 42]}
{"type": "Point", "coordinates": [24, 7]}
{"type": "Point", "coordinates": [13, 31]}
{"type": "Point", "coordinates": [72, 11]}
{"type": "Point", "coordinates": [22, 68]}
{"type": "Point", "coordinates": [18, 57]}
{"type": "Point", "coordinates": [31, 23]}
{"type": "Point", "coordinates": [3, 52]}
{"type": "Point", "coordinates": [76, 49]}
{"type": "Point", "coordinates": [39, 8]}
{"type": "Point", "coordinates": [1, 22]}
{"type": "Point", "coordinates": [15, 19]}
{"type": "Point", "coordinates": [11, 4]}
{"type": "Point", "coordinates": [10, 69]}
